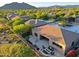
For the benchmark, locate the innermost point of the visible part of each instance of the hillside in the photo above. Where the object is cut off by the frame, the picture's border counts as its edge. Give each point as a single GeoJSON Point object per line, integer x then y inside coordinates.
{"type": "Point", "coordinates": [16, 5]}
{"type": "Point", "coordinates": [66, 6]}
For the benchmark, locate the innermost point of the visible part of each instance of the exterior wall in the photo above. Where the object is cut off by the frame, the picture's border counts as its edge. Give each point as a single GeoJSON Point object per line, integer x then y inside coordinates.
{"type": "Point", "coordinates": [35, 32]}
{"type": "Point", "coordinates": [60, 50]}
{"type": "Point", "coordinates": [77, 20]}
{"type": "Point", "coordinates": [51, 40]}
{"type": "Point", "coordinates": [69, 37]}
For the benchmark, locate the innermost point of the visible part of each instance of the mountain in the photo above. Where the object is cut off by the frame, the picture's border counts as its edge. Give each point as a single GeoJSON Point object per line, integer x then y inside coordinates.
{"type": "Point", "coordinates": [66, 6]}
{"type": "Point", "coordinates": [71, 6]}
{"type": "Point", "coordinates": [16, 5]}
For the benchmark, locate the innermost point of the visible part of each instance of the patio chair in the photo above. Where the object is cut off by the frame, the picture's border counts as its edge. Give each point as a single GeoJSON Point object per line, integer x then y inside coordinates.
{"type": "Point", "coordinates": [52, 53]}
{"type": "Point", "coordinates": [45, 52]}
{"type": "Point", "coordinates": [51, 48]}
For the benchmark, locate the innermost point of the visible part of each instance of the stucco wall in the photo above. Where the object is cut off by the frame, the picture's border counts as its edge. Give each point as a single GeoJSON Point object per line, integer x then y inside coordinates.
{"type": "Point", "coordinates": [69, 37]}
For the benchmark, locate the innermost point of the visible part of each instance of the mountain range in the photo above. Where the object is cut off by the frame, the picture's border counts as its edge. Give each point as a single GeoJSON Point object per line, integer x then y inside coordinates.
{"type": "Point", "coordinates": [65, 6]}
{"type": "Point", "coordinates": [16, 5]}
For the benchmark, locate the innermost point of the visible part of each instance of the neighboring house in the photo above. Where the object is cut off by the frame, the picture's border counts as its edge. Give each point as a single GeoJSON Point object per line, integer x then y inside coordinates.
{"type": "Point", "coordinates": [77, 19]}
{"type": "Point", "coordinates": [61, 38]}
{"type": "Point", "coordinates": [11, 16]}
{"type": "Point", "coordinates": [36, 23]}
{"type": "Point", "coordinates": [70, 19]}
{"type": "Point", "coordinates": [25, 17]}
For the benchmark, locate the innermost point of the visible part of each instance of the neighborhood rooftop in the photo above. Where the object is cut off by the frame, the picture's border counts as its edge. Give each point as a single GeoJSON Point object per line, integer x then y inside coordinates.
{"type": "Point", "coordinates": [73, 28]}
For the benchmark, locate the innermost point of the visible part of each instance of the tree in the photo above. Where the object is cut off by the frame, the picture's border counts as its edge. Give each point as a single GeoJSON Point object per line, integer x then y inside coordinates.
{"type": "Point", "coordinates": [17, 22]}
{"type": "Point", "coordinates": [16, 18]}
{"type": "Point", "coordinates": [10, 22]}
{"type": "Point", "coordinates": [40, 14]}
{"type": "Point", "coordinates": [46, 17]}
{"type": "Point", "coordinates": [22, 28]}
{"type": "Point", "coordinates": [21, 12]}
{"type": "Point", "coordinates": [2, 20]}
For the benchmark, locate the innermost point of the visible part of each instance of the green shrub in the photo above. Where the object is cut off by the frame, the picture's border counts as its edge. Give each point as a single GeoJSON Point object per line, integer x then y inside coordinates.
{"type": "Point", "coordinates": [16, 50]}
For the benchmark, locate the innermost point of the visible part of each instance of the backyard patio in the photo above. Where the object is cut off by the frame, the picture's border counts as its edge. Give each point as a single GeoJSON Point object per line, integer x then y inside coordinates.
{"type": "Point", "coordinates": [43, 47]}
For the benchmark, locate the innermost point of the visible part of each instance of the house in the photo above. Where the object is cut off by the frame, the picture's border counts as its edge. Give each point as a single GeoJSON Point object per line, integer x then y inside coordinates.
{"type": "Point", "coordinates": [70, 19]}
{"type": "Point", "coordinates": [11, 16]}
{"type": "Point", "coordinates": [36, 23]}
{"type": "Point", "coordinates": [25, 17]}
{"type": "Point", "coordinates": [61, 38]}
{"type": "Point", "coordinates": [77, 19]}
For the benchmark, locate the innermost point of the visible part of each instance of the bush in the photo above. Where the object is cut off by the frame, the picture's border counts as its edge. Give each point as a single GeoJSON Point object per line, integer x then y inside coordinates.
{"type": "Point", "coordinates": [71, 53]}
{"type": "Point", "coordinates": [16, 50]}
{"type": "Point", "coordinates": [18, 22]}
{"type": "Point", "coordinates": [22, 28]}
{"type": "Point", "coordinates": [2, 20]}
{"type": "Point", "coordinates": [77, 51]}
{"type": "Point", "coordinates": [13, 37]}
{"type": "Point", "coordinates": [1, 27]}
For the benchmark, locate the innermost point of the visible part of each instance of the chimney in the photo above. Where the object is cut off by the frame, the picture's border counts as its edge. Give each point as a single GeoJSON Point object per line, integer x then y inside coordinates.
{"type": "Point", "coordinates": [36, 21]}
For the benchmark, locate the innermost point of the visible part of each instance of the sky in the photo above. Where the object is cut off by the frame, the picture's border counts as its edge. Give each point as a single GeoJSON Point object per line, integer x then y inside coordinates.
{"type": "Point", "coordinates": [41, 3]}
{"type": "Point", "coordinates": [46, 4]}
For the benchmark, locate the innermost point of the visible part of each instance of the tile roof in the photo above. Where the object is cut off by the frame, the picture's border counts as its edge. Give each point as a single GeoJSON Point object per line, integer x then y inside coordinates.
{"type": "Point", "coordinates": [51, 32]}
{"type": "Point", "coordinates": [39, 22]}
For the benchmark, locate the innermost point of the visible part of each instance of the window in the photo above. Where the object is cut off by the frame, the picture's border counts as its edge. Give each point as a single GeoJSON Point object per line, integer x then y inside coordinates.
{"type": "Point", "coordinates": [72, 44]}
{"type": "Point", "coordinates": [42, 37]}
{"type": "Point", "coordinates": [57, 45]}
{"type": "Point", "coordinates": [36, 34]}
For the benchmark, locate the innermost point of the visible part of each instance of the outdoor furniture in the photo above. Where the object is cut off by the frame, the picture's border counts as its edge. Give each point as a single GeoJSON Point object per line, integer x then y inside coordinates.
{"type": "Point", "coordinates": [51, 48]}
{"type": "Point", "coordinates": [52, 53]}
{"type": "Point", "coordinates": [45, 52]}
{"type": "Point", "coordinates": [48, 51]}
